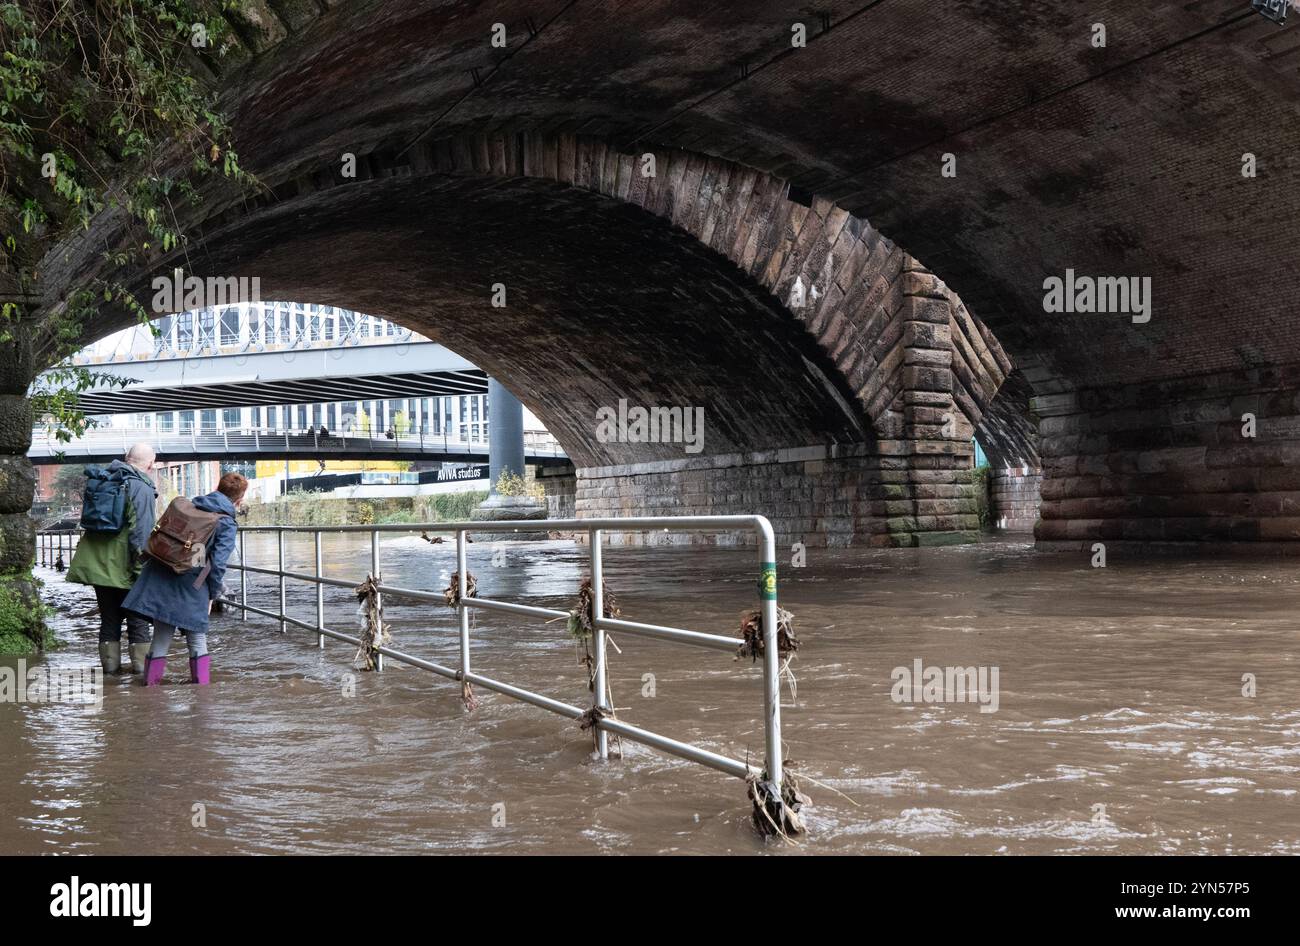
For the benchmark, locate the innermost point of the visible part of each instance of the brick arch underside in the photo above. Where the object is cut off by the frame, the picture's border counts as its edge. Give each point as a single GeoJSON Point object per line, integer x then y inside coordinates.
{"type": "Point", "coordinates": [602, 303]}
{"type": "Point", "coordinates": [816, 347]}
{"type": "Point", "coordinates": [873, 313]}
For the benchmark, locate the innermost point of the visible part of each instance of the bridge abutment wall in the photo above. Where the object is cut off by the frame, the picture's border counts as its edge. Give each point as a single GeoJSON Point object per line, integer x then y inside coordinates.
{"type": "Point", "coordinates": [560, 487]}
{"type": "Point", "coordinates": [821, 496]}
{"type": "Point", "coordinates": [1207, 459]}
{"type": "Point", "coordinates": [1015, 495]}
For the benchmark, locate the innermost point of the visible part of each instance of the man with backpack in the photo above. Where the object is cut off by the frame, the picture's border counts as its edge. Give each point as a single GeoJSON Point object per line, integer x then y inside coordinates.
{"type": "Point", "coordinates": [117, 514]}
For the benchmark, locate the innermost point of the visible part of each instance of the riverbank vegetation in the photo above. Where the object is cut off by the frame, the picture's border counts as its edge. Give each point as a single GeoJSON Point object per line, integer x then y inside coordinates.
{"type": "Point", "coordinates": [300, 508]}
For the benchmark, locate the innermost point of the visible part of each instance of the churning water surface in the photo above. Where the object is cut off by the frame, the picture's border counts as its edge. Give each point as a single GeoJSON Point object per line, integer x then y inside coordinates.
{"type": "Point", "coordinates": [1121, 724]}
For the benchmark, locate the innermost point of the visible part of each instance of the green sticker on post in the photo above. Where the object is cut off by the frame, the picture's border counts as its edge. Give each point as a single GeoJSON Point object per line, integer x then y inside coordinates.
{"type": "Point", "coordinates": [767, 582]}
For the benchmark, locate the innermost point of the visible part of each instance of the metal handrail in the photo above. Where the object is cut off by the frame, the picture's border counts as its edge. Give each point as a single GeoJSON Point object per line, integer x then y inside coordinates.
{"type": "Point", "coordinates": [594, 528]}
{"type": "Point", "coordinates": [97, 440]}
{"type": "Point", "coordinates": [50, 546]}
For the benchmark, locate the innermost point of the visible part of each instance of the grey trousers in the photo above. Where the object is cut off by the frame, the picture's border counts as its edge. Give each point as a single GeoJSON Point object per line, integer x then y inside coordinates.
{"type": "Point", "coordinates": [162, 640]}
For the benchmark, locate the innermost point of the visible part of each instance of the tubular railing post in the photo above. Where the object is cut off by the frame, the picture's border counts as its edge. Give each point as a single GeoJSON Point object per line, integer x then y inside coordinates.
{"type": "Point", "coordinates": [374, 570]}
{"type": "Point", "coordinates": [771, 669]}
{"type": "Point", "coordinates": [243, 576]}
{"type": "Point", "coordinates": [598, 638]}
{"type": "Point", "coordinates": [462, 587]}
{"type": "Point", "coordinates": [320, 599]}
{"type": "Point", "coordinates": [280, 537]}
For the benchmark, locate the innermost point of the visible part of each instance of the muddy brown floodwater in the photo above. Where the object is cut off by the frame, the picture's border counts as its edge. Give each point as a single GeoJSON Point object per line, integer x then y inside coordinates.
{"type": "Point", "coordinates": [1121, 724]}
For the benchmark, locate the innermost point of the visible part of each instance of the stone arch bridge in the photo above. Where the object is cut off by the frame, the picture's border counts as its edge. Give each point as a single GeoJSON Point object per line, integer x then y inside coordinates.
{"type": "Point", "coordinates": [840, 256]}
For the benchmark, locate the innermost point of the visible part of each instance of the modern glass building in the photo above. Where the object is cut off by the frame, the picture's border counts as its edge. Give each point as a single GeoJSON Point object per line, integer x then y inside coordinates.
{"type": "Point", "coordinates": [290, 326]}
{"type": "Point", "coordinates": [279, 326]}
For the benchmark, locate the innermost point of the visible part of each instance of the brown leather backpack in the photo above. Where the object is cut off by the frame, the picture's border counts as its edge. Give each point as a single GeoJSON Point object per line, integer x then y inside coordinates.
{"type": "Point", "coordinates": [180, 538]}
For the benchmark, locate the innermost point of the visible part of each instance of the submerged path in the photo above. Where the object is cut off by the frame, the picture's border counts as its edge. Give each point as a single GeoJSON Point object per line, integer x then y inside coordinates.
{"type": "Point", "coordinates": [1119, 687]}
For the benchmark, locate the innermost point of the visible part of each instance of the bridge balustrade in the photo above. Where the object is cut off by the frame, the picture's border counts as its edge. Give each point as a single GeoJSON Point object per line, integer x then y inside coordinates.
{"type": "Point", "coordinates": [115, 441]}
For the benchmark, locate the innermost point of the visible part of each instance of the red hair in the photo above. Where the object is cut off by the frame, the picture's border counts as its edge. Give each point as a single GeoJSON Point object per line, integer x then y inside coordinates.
{"type": "Point", "coordinates": [233, 486]}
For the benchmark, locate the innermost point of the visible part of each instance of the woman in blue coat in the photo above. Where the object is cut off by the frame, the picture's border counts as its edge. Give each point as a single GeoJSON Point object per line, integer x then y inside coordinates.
{"type": "Point", "coordinates": [173, 602]}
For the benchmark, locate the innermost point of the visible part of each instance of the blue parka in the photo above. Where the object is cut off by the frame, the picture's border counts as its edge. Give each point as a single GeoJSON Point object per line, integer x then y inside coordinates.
{"type": "Point", "coordinates": [162, 595]}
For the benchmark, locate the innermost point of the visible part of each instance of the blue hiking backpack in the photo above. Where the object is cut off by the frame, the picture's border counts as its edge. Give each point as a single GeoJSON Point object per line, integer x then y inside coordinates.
{"type": "Point", "coordinates": [103, 504]}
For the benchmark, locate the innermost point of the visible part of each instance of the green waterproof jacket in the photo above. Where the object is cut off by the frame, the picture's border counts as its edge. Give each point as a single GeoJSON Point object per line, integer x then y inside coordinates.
{"type": "Point", "coordinates": [113, 560]}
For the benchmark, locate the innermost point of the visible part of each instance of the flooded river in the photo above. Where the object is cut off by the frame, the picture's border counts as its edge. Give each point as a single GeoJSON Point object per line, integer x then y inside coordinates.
{"type": "Point", "coordinates": [1121, 724]}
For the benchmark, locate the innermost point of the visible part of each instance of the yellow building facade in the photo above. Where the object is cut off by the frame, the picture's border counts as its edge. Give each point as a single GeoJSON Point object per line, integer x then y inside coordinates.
{"type": "Point", "coordinates": [266, 468]}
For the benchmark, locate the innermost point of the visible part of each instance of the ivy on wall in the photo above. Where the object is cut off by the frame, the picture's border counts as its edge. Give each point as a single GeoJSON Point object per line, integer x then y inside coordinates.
{"type": "Point", "coordinates": [108, 112]}
{"type": "Point", "coordinates": [106, 104]}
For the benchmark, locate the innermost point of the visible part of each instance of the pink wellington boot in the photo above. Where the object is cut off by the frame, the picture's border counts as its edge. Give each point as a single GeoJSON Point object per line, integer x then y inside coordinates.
{"type": "Point", "coordinates": [154, 667]}
{"type": "Point", "coordinates": [200, 672]}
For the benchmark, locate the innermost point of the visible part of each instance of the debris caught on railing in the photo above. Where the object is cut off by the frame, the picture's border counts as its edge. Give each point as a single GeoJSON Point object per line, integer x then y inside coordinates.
{"type": "Point", "coordinates": [752, 646]}
{"type": "Point", "coordinates": [777, 814]}
{"type": "Point", "coordinates": [374, 632]}
{"type": "Point", "coordinates": [590, 719]}
{"type": "Point", "coordinates": [751, 633]}
{"type": "Point", "coordinates": [451, 594]}
{"type": "Point", "coordinates": [582, 627]}
{"type": "Point", "coordinates": [580, 617]}
{"type": "Point", "coordinates": [466, 692]}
